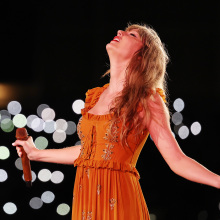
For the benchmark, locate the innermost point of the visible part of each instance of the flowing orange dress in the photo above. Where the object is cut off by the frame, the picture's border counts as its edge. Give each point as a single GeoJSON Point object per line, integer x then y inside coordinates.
{"type": "Point", "coordinates": [107, 182]}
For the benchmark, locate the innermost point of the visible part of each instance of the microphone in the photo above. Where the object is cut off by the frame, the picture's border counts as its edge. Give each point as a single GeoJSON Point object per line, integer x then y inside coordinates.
{"type": "Point", "coordinates": [21, 134]}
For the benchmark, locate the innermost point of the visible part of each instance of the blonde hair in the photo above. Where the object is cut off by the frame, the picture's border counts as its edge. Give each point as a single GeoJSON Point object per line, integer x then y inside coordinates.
{"type": "Point", "coordinates": [145, 72]}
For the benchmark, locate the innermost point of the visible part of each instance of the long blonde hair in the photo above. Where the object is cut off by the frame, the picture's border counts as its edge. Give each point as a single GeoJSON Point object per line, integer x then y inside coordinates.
{"type": "Point", "coordinates": [145, 72]}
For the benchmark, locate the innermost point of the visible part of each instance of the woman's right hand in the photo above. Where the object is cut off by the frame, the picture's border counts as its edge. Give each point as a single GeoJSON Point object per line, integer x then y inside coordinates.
{"type": "Point", "coordinates": [28, 146]}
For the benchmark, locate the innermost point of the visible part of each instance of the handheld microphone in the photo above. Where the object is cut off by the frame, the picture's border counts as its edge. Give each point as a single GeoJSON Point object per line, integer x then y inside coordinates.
{"type": "Point", "coordinates": [21, 134]}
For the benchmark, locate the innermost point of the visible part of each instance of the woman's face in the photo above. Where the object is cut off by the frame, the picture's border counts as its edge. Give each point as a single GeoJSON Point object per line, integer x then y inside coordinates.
{"type": "Point", "coordinates": [124, 45]}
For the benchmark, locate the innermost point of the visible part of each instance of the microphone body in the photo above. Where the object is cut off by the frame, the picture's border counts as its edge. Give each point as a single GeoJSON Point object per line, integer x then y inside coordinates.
{"type": "Point", "coordinates": [21, 134]}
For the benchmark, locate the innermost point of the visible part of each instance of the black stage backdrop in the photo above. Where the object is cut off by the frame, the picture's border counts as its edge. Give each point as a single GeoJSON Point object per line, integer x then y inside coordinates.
{"type": "Point", "coordinates": [52, 52]}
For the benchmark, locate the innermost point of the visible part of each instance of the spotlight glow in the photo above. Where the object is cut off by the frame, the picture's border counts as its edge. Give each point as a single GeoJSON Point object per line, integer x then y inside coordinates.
{"type": "Point", "coordinates": [178, 105]}
{"type": "Point", "coordinates": [19, 120]}
{"type": "Point", "coordinates": [4, 153]}
{"type": "Point", "coordinates": [196, 128]}
{"type": "Point", "coordinates": [78, 105]}
{"type": "Point", "coordinates": [14, 107]}
{"type": "Point", "coordinates": [10, 208]}
{"type": "Point", "coordinates": [63, 209]}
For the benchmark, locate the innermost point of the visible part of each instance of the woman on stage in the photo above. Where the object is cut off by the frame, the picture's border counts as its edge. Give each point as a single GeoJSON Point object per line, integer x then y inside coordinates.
{"type": "Point", "coordinates": [114, 127]}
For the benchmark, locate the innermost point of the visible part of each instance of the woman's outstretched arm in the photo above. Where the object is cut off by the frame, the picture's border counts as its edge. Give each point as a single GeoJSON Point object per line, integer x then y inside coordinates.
{"type": "Point", "coordinates": [64, 156]}
{"type": "Point", "coordinates": [158, 125]}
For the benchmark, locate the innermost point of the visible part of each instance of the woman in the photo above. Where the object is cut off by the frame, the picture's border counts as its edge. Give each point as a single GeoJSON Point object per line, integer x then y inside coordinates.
{"type": "Point", "coordinates": [115, 124]}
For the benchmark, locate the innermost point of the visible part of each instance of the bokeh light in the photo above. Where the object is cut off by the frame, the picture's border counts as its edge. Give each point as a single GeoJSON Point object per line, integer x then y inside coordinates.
{"type": "Point", "coordinates": [36, 203]}
{"type": "Point", "coordinates": [3, 175]}
{"type": "Point", "coordinates": [61, 125]}
{"type": "Point", "coordinates": [48, 114]}
{"type": "Point", "coordinates": [7, 125]}
{"type": "Point", "coordinates": [49, 126]}
{"type": "Point", "coordinates": [10, 208]}
{"type": "Point", "coordinates": [4, 114]}
{"type": "Point", "coordinates": [57, 177]}
{"type": "Point", "coordinates": [153, 216]}
{"type": "Point", "coordinates": [41, 143]}
{"type": "Point", "coordinates": [178, 105]}
{"type": "Point", "coordinates": [33, 174]}
{"type": "Point", "coordinates": [203, 215]}
{"type": "Point", "coordinates": [30, 119]}
{"type": "Point", "coordinates": [44, 175]}
{"type": "Point", "coordinates": [183, 132]}
{"type": "Point", "coordinates": [59, 136]}
{"type": "Point", "coordinates": [63, 209]}
{"type": "Point", "coordinates": [14, 107]}
{"type": "Point", "coordinates": [18, 164]}
{"type": "Point", "coordinates": [47, 197]}
{"type": "Point", "coordinates": [37, 125]}
{"type": "Point", "coordinates": [19, 120]}
{"type": "Point", "coordinates": [78, 105]}
{"type": "Point", "coordinates": [4, 153]}
{"type": "Point", "coordinates": [71, 128]}
{"type": "Point", "coordinates": [41, 108]}
{"type": "Point", "coordinates": [177, 118]}
{"type": "Point", "coordinates": [196, 128]}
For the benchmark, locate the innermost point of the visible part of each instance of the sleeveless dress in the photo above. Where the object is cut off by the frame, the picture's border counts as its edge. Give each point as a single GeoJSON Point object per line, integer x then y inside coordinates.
{"type": "Point", "coordinates": [107, 182]}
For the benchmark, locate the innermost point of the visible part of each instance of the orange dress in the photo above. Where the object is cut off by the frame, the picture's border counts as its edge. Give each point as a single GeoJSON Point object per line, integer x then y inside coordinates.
{"type": "Point", "coordinates": [107, 182]}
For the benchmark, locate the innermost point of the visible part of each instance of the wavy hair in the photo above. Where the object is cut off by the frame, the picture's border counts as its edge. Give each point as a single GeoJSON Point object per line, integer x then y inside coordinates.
{"type": "Point", "coordinates": [146, 72]}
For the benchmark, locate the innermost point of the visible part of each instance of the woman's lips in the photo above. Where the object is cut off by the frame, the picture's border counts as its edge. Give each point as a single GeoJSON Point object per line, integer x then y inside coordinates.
{"type": "Point", "coordinates": [116, 38]}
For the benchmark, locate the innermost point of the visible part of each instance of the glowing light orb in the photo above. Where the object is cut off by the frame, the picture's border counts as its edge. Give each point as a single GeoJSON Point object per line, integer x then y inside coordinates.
{"type": "Point", "coordinates": [14, 107]}
{"type": "Point", "coordinates": [71, 128]}
{"type": "Point", "coordinates": [41, 143]}
{"type": "Point", "coordinates": [47, 197]}
{"type": "Point", "coordinates": [49, 126]}
{"type": "Point", "coordinates": [63, 209]}
{"type": "Point", "coordinates": [7, 125]}
{"type": "Point", "coordinates": [48, 114]}
{"type": "Point", "coordinates": [3, 175]}
{"type": "Point", "coordinates": [178, 105]}
{"type": "Point", "coordinates": [41, 108]}
{"type": "Point", "coordinates": [59, 136]}
{"type": "Point", "coordinates": [61, 125]}
{"type": "Point", "coordinates": [18, 164]}
{"type": "Point", "coordinates": [57, 177]}
{"type": "Point", "coordinates": [33, 174]}
{"type": "Point", "coordinates": [10, 208]}
{"type": "Point", "coordinates": [4, 153]}
{"type": "Point", "coordinates": [37, 125]}
{"type": "Point", "coordinates": [36, 203]}
{"type": "Point", "coordinates": [177, 118]}
{"type": "Point", "coordinates": [183, 132]}
{"type": "Point", "coordinates": [78, 105]}
{"type": "Point", "coordinates": [19, 120]}
{"type": "Point", "coordinates": [4, 114]}
{"type": "Point", "coordinates": [30, 119]}
{"type": "Point", "coordinates": [44, 175]}
{"type": "Point", "coordinates": [196, 128]}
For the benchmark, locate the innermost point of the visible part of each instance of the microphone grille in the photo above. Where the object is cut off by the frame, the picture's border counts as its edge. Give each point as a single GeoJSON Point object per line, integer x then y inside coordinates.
{"type": "Point", "coordinates": [21, 134]}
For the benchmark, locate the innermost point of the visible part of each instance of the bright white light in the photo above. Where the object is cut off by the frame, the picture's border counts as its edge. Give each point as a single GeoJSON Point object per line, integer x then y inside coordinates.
{"type": "Point", "coordinates": [41, 108]}
{"type": "Point", "coordinates": [36, 203]}
{"type": "Point", "coordinates": [14, 107]}
{"type": "Point", "coordinates": [178, 105]}
{"type": "Point", "coordinates": [57, 177]}
{"type": "Point", "coordinates": [47, 197]}
{"type": "Point", "coordinates": [37, 125]}
{"type": "Point", "coordinates": [177, 118]}
{"type": "Point", "coordinates": [49, 126]}
{"type": "Point", "coordinates": [3, 175]}
{"type": "Point", "coordinates": [41, 143]}
{"type": "Point", "coordinates": [196, 128]}
{"type": "Point", "coordinates": [10, 208]}
{"type": "Point", "coordinates": [30, 119]}
{"type": "Point", "coordinates": [78, 105]}
{"type": "Point", "coordinates": [44, 175]}
{"type": "Point", "coordinates": [71, 129]}
{"type": "Point", "coordinates": [61, 125]}
{"type": "Point", "coordinates": [63, 209]}
{"type": "Point", "coordinates": [183, 132]}
{"type": "Point", "coordinates": [59, 136]}
{"type": "Point", "coordinates": [4, 153]}
{"type": "Point", "coordinates": [33, 174]}
{"type": "Point", "coordinates": [19, 120]}
{"type": "Point", "coordinates": [48, 114]}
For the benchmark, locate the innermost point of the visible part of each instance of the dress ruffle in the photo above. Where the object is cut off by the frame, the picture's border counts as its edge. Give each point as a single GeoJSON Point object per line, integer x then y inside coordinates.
{"type": "Point", "coordinates": [113, 165]}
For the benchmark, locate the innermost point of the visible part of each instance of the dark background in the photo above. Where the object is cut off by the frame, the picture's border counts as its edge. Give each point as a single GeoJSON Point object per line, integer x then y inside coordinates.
{"type": "Point", "coordinates": [53, 51]}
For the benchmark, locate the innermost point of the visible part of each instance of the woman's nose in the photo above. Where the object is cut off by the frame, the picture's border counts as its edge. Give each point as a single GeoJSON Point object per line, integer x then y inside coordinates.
{"type": "Point", "coordinates": [120, 32]}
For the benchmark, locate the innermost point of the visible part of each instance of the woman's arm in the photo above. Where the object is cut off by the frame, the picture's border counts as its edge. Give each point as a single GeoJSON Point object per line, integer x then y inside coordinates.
{"type": "Point", "coordinates": [64, 156]}
{"type": "Point", "coordinates": [158, 125]}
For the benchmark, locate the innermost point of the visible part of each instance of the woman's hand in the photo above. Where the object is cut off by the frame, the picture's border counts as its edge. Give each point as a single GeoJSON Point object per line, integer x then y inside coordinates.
{"type": "Point", "coordinates": [28, 146]}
